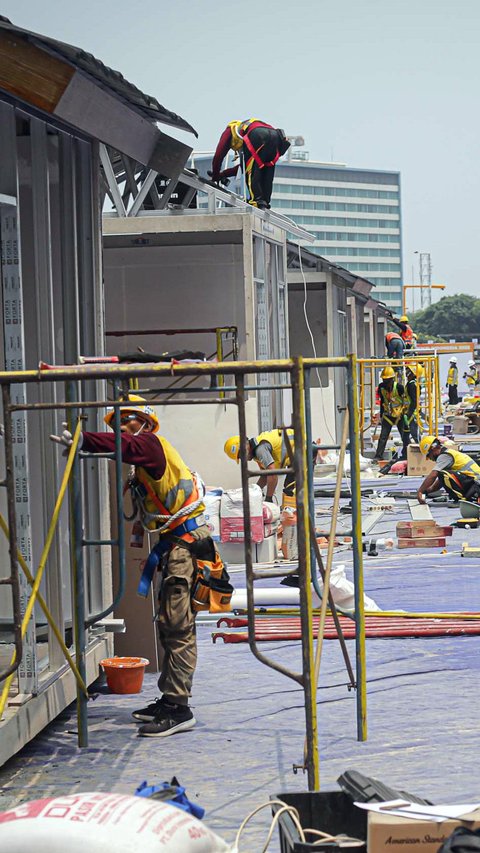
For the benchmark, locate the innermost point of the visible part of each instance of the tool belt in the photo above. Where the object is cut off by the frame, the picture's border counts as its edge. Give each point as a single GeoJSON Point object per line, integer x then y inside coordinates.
{"type": "Point", "coordinates": [211, 588]}
{"type": "Point", "coordinates": [162, 547]}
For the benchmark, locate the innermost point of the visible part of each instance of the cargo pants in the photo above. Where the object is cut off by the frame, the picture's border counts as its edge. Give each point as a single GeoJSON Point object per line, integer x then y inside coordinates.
{"type": "Point", "coordinates": [176, 623]}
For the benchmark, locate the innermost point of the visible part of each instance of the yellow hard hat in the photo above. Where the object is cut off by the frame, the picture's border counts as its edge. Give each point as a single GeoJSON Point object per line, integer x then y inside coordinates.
{"type": "Point", "coordinates": [145, 411]}
{"type": "Point", "coordinates": [426, 443]}
{"type": "Point", "coordinates": [387, 373]}
{"type": "Point", "coordinates": [416, 369]}
{"type": "Point", "coordinates": [232, 447]}
{"type": "Point", "coordinates": [404, 319]}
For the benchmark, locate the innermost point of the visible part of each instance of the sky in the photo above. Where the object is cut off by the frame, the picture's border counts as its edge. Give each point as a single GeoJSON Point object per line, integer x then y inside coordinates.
{"type": "Point", "coordinates": [381, 84]}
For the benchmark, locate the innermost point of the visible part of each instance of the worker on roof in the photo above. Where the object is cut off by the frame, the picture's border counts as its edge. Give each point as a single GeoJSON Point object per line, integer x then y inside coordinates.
{"type": "Point", "coordinates": [394, 345]}
{"type": "Point", "coordinates": [394, 404]}
{"type": "Point", "coordinates": [452, 381]}
{"type": "Point", "coordinates": [270, 451]}
{"type": "Point", "coordinates": [458, 473]}
{"type": "Point", "coordinates": [168, 497]}
{"type": "Point", "coordinates": [406, 332]}
{"type": "Point", "coordinates": [260, 146]}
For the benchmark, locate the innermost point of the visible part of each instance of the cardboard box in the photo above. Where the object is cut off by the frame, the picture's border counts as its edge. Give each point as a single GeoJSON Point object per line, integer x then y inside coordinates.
{"type": "Point", "coordinates": [389, 832]}
{"type": "Point", "coordinates": [417, 464]}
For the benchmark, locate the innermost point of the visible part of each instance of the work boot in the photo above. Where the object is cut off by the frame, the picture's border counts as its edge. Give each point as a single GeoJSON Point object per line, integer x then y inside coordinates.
{"type": "Point", "coordinates": [146, 715]}
{"type": "Point", "coordinates": [169, 720]}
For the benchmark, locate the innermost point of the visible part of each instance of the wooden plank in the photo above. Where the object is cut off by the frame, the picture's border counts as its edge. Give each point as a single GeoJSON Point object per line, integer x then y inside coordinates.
{"type": "Point", "coordinates": [414, 529]}
{"type": "Point", "coordinates": [423, 542]}
{"type": "Point", "coordinates": [32, 74]}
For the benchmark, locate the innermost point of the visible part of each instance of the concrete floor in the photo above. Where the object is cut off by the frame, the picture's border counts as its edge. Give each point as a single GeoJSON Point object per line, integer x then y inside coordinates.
{"type": "Point", "coordinates": [423, 731]}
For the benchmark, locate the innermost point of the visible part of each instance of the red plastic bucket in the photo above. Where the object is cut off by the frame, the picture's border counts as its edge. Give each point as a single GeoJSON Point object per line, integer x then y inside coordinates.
{"type": "Point", "coordinates": [124, 675]}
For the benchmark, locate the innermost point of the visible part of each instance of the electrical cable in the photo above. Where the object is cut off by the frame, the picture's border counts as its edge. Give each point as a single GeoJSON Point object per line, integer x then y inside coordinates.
{"type": "Point", "coordinates": [323, 837]}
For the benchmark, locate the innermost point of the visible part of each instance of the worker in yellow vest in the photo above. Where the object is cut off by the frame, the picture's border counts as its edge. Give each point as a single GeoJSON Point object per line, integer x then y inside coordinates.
{"type": "Point", "coordinates": [470, 376]}
{"type": "Point", "coordinates": [170, 503]}
{"type": "Point", "coordinates": [455, 471]}
{"type": "Point", "coordinates": [260, 146]}
{"type": "Point", "coordinates": [394, 404]}
{"type": "Point", "coordinates": [268, 450]}
{"type": "Point", "coordinates": [452, 381]}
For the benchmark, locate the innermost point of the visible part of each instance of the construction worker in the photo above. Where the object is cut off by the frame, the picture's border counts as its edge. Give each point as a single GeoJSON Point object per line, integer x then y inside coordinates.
{"type": "Point", "coordinates": [260, 146]}
{"type": "Point", "coordinates": [471, 376]}
{"type": "Point", "coordinates": [268, 450]}
{"type": "Point", "coordinates": [406, 331]}
{"type": "Point", "coordinates": [394, 345]}
{"type": "Point", "coordinates": [455, 471]}
{"type": "Point", "coordinates": [166, 489]}
{"type": "Point", "coordinates": [393, 407]}
{"type": "Point", "coordinates": [452, 381]}
{"type": "Point", "coordinates": [414, 375]}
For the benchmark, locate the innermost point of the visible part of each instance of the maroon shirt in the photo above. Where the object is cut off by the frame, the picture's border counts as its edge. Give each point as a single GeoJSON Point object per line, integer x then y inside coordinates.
{"type": "Point", "coordinates": [144, 450]}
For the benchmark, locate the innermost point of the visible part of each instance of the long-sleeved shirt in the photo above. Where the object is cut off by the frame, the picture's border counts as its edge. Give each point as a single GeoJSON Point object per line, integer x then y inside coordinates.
{"type": "Point", "coordinates": [144, 450]}
{"type": "Point", "coordinates": [223, 147]}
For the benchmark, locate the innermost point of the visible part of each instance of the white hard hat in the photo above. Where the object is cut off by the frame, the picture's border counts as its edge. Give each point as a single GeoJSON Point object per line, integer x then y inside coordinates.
{"type": "Point", "coordinates": [471, 363]}
{"type": "Point", "coordinates": [454, 359]}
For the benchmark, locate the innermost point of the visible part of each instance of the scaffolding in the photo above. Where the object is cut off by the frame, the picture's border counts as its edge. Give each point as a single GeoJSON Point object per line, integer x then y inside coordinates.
{"type": "Point", "coordinates": [429, 395]}
{"type": "Point", "coordinates": [293, 374]}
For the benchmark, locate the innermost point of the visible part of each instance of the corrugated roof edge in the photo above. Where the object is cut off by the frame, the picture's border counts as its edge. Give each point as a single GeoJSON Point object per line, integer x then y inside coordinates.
{"type": "Point", "coordinates": [108, 77]}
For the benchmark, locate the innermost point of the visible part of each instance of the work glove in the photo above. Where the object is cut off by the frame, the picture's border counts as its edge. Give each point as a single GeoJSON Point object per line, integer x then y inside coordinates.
{"type": "Point", "coordinates": [66, 439]}
{"type": "Point", "coordinates": [218, 179]}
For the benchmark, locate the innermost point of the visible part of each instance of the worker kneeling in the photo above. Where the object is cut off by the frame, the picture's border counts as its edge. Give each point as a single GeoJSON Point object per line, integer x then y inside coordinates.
{"type": "Point", "coordinates": [270, 451]}
{"type": "Point", "coordinates": [456, 472]}
{"type": "Point", "coordinates": [394, 405]}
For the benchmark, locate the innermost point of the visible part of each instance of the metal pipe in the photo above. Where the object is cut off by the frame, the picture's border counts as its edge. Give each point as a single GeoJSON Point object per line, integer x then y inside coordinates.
{"type": "Point", "coordinates": [78, 576]}
{"type": "Point", "coordinates": [120, 333]}
{"type": "Point", "coordinates": [120, 541]}
{"type": "Point", "coordinates": [12, 539]}
{"type": "Point", "coordinates": [305, 573]}
{"type": "Point", "coordinates": [43, 559]}
{"type": "Point", "coordinates": [249, 579]}
{"type": "Point", "coordinates": [48, 615]}
{"type": "Point", "coordinates": [357, 551]}
{"type": "Point", "coordinates": [331, 543]}
{"type": "Point", "coordinates": [115, 371]}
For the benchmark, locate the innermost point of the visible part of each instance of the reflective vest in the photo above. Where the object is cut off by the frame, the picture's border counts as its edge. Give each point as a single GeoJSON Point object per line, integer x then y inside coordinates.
{"type": "Point", "coordinates": [452, 378]}
{"type": "Point", "coordinates": [176, 489]}
{"type": "Point", "coordinates": [394, 403]}
{"type": "Point", "coordinates": [240, 131]}
{"type": "Point", "coordinates": [463, 464]}
{"type": "Point", "coordinates": [407, 335]}
{"type": "Point", "coordinates": [390, 336]}
{"type": "Point", "coordinates": [471, 377]}
{"type": "Point", "coordinates": [276, 439]}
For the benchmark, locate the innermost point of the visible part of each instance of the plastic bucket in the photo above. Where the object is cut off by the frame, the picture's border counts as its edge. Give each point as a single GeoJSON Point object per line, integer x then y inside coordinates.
{"type": "Point", "coordinates": [124, 675]}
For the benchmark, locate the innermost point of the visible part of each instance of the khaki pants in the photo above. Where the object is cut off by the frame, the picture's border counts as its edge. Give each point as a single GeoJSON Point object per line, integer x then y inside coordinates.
{"type": "Point", "coordinates": [176, 624]}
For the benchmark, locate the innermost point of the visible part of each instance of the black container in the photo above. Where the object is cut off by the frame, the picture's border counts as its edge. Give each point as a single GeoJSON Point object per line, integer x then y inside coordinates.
{"type": "Point", "coordinates": [329, 811]}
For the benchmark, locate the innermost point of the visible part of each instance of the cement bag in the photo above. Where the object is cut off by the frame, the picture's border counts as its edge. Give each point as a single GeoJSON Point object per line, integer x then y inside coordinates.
{"type": "Point", "coordinates": [212, 512]}
{"type": "Point", "coordinates": [271, 519]}
{"type": "Point", "coordinates": [231, 515]}
{"type": "Point", "coordinates": [100, 823]}
{"type": "Point", "coordinates": [343, 591]}
{"type": "Point", "coordinates": [289, 534]}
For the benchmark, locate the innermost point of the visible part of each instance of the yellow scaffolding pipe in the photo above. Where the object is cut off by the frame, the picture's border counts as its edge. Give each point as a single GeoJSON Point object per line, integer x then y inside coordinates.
{"type": "Point", "coordinates": [43, 558]}
{"type": "Point", "coordinates": [49, 617]}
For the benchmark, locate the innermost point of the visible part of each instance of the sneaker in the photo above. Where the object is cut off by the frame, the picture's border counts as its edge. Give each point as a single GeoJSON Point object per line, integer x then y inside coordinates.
{"type": "Point", "coordinates": [146, 715]}
{"type": "Point", "coordinates": [169, 722]}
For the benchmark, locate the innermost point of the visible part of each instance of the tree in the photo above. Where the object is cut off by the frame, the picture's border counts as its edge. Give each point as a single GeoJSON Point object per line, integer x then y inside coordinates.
{"type": "Point", "coordinates": [451, 317]}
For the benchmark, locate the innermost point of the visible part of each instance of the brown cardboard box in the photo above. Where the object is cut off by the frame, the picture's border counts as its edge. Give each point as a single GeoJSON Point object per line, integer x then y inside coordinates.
{"type": "Point", "coordinates": [389, 832]}
{"type": "Point", "coordinates": [417, 464]}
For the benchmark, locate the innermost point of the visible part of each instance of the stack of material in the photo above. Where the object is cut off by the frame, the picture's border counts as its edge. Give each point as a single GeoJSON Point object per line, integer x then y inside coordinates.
{"type": "Point", "coordinates": [422, 534]}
